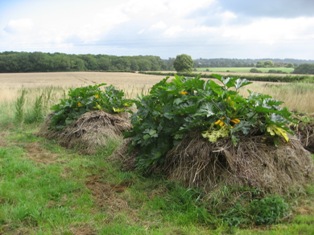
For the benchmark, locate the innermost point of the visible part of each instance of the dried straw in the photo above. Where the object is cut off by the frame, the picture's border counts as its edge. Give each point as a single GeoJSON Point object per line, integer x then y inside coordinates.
{"type": "Point", "coordinates": [92, 131]}
{"type": "Point", "coordinates": [253, 162]}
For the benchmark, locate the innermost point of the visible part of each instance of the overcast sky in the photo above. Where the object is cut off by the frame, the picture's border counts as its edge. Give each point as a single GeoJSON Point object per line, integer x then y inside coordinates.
{"type": "Point", "coordinates": [166, 28]}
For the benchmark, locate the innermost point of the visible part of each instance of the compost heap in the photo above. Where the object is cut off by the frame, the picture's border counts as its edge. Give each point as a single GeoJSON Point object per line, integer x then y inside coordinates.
{"type": "Point", "coordinates": [254, 162]}
{"type": "Point", "coordinates": [305, 132]}
{"type": "Point", "coordinates": [92, 131]}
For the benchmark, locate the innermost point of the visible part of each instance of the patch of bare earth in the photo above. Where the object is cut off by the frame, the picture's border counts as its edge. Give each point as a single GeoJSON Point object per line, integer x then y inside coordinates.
{"type": "Point", "coordinates": [107, 197]}
{"type": "Point", "coordinates": [3, 142]}
{"type": "Point", "coordinates": [36, 153]}
{"type": "Point", "coordinates": [82, 229]}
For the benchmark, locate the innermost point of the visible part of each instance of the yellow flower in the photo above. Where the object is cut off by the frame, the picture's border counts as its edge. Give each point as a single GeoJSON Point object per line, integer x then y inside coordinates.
{"type": "Point", "coordinates": [96, 96]}
{"type": "Point", "coordinates": [79, 104]}
{"type": "Point", "coordinates": [235, 121]}
{"type": "Point", "coordinates": [219, 123]}
{"type": "Point", "coordinates": [183, 92]}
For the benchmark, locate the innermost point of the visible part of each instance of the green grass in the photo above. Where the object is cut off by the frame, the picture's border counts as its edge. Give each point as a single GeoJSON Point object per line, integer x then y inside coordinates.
{"type": "Point", "coordinates": [242, 69]}
{"type": "Point", "coordinates": [54, 197]}
{"type": "Point", "coordinates": [71, 192]}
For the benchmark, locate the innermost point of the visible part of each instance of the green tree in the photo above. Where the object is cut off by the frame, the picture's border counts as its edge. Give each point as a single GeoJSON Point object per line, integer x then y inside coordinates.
{"type": "Point", "coordinates": [304, 69]}
{"type": "Point", "coordinates": [183, 63]}
{"type": "Point", "coordinates": [268, 64]}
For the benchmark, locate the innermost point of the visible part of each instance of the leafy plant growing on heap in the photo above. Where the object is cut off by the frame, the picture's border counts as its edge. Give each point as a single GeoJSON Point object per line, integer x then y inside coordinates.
{"type": "Point", "coordinates": [178, 107]}
{"type": "Point", "coordinates": [89, 98]}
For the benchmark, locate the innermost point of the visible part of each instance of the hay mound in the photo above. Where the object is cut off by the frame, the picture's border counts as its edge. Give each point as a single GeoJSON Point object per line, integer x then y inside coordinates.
{"type": "Point", "coordinates": [305, 132]}
{"type": "Point", "coordinates": [255, 163]}
{"type": "Point", "coordinates": [92, 131]}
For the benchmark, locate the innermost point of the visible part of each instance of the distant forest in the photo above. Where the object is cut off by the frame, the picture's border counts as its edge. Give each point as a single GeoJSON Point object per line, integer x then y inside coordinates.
{"type": "Point", "coordinates": [57, 62]}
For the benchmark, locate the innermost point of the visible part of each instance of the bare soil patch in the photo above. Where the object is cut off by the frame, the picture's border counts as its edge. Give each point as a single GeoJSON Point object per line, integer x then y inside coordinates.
{"type": "Point", "coordinates": [107, 196]}
{"type": "Point", "coordinates": [82, 229]}
{"type": "Point", "coordinates": [38, 154]}
{"type": "Point", "coordinates": [3, 141]}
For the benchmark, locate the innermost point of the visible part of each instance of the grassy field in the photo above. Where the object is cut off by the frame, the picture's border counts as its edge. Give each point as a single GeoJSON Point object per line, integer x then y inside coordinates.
{"type": "Point", "coordinates": [46, 189]}
{"type": "Point", "coordinates": [242, 69]}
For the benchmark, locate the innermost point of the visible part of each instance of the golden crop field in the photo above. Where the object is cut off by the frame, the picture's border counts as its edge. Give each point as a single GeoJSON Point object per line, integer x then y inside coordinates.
{"type": "Point", "coordinates": [75, 79]}
{"type": "Point", "coordinates": [131, 83]}
{"type": "Point", "coordinates": [296, 96]}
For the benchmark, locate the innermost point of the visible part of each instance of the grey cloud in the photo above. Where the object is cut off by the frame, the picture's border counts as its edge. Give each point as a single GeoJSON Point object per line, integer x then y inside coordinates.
{"type": "Point", "coordinates": [270, 8]}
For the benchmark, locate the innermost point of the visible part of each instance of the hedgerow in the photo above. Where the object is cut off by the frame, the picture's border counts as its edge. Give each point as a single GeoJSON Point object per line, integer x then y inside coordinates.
{"type": "Point", "coordinates": [263, 78]}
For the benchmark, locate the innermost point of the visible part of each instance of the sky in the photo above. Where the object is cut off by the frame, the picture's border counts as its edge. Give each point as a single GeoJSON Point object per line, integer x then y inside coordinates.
{"type": "Point", "coordinates": [166, 28]}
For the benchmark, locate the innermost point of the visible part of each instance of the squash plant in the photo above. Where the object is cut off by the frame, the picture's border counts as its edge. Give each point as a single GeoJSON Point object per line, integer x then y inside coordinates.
{"type": "Point", "coordinates": [84, 99]}
{"type": "Point", "coordinates": [177, 107]}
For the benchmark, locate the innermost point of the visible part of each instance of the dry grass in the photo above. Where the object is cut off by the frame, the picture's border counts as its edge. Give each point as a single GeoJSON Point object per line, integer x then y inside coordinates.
{"type": "Point", "coordinates": [296, 96]}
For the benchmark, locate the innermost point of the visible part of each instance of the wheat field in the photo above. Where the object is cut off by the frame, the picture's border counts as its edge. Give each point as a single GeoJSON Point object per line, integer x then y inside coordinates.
{"type": "Point", "coordinates": [295, 96]}
{"type": "Point", "coordinates": [131, 83]}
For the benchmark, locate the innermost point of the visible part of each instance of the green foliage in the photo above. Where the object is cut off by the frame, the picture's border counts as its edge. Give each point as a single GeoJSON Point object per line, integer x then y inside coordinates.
{"type": "Point", "coordinates": [275, 71]}
{"type": "Point", "coordinates": [242, 206]}
{"type": "Point", "coordinates": [265, 64]}
{"type": "Point", "coordinates": [268, 210]}
{"type": "Point", "coordinates": [84, 99]}
{"type": "Point", "coordinates": [304, 69]}
{"type": "Point", "coordinates": [36, 115]}
{"type": "Point", "coordinates": [52, 62]}
{"type": "Point", "coordinates": [33, 105]}
{"type": "Point", "coordinates": [19, 107]}
{"type": "Point", "coordinates": [180, 205]}
{"type": "Point", "coordinates": [255, 70]}
{"type": "Point", "coordinates": [175, 108]}
{"type": "Point", "coordinates": [183, 63]}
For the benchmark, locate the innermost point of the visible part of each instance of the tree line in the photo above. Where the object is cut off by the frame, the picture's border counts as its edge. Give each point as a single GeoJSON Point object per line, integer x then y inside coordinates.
{"type": "Point", "coordinates": [56, 62]}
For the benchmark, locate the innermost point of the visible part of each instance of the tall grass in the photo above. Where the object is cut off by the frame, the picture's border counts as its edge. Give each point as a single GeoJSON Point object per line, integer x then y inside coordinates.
{"type": "Point", "coordinates": [296, 96]}
{"type": "Point", "coordinates": [28, 105]}
{"type": "Point", "coordinates": [19, 107]}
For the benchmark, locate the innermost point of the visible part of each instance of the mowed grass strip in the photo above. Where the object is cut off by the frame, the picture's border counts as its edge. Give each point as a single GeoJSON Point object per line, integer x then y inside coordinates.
{"type": "Point", "coordinates": [40, 197]}
{"type": "Point", "coordinates": [45, 189]}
